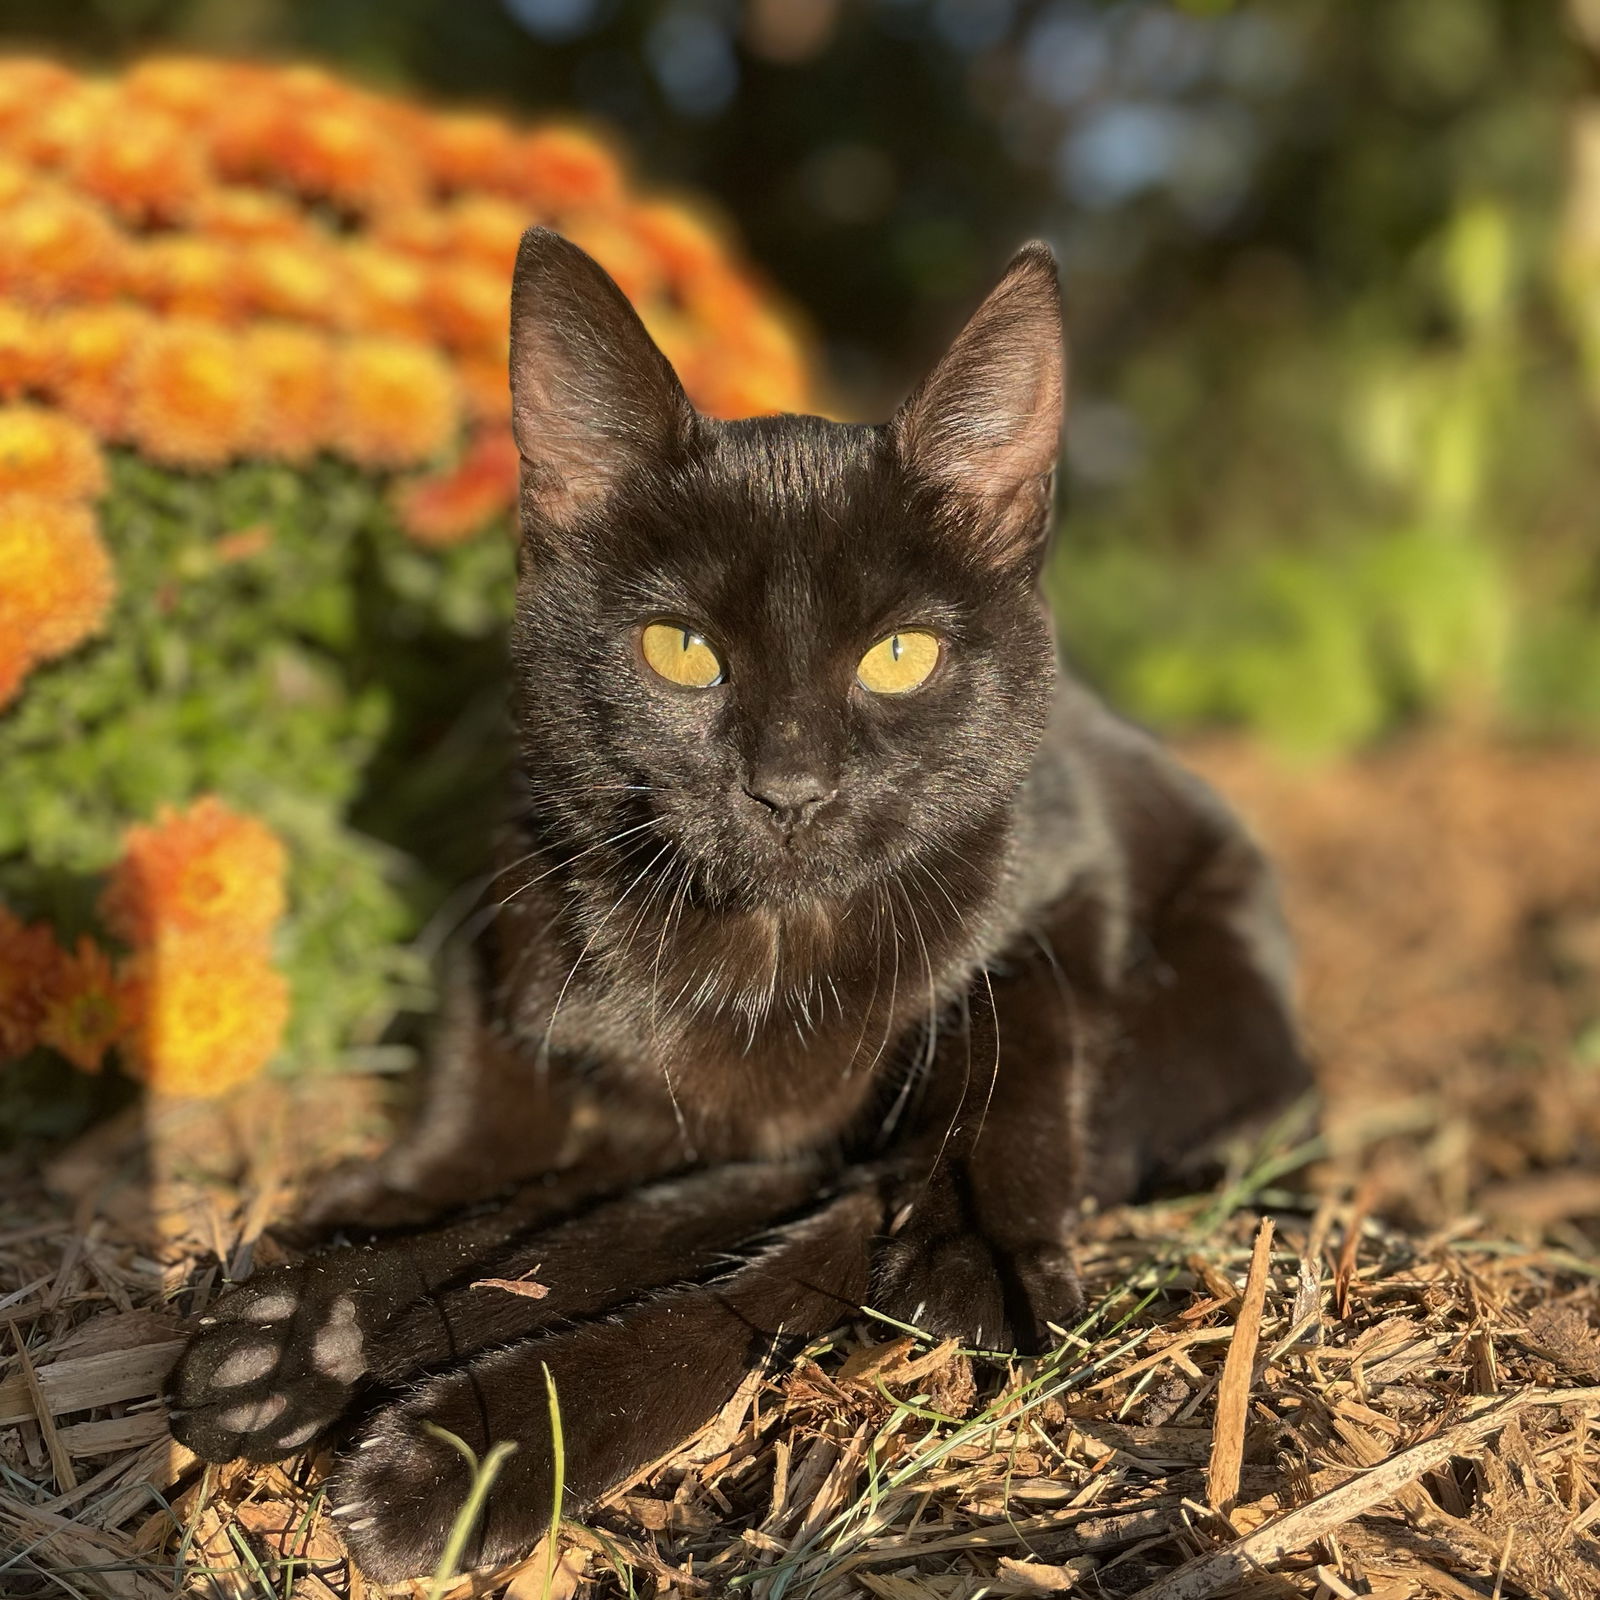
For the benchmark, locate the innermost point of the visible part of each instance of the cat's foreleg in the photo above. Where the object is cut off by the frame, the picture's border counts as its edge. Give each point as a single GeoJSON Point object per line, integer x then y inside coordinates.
{"type": "Point", "coordinates": [630, 1385]}
{"type": "Point", "coordinates": [281, 1359]}
{"type": "Point", "coordinates": [978, 1241]}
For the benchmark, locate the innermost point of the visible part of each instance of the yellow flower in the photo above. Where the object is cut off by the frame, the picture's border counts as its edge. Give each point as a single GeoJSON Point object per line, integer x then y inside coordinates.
{"type": "Point", "coordinates": [396, 403]}
{"type": "Point", "coordinates": [200, 1018]}
{"type": "Point", "coordinates": [83, 1015]}
{"type": "Point", "coordinates": [91, 351]}
{"type": "Point", "coordinates": [294, 373]}
{"type": "Point", "coordinates": [56, 580]}
{"type": "Point", "coordinates": [28, 86]}
{"type": "Point", "coordinates": [245, 215]}
{"type": "Point", "coordinates": [45, 453]}
{"type": "Point", "coordinates": [187, 86]}
{"type": "Point", "coordinates": [385, 292]}
{"type": "Point", "coordinates": [28, 965]}
{"type": "Point", "coordinates": [485, 230]}
{"type": "Point", "coordinates": [24, 350]}
{"type": "Point", "coordinates": [56, 247]}
{"type": "Point", "coordinates": [188, 275]}
{"type": "Point", "coordinates": [143, 163]}
{"type": "Point", "coordinates": [208, 871]}
{"type": "Point", "coordinates": [60, 126]}
{"type": "Point", "coordinates": [294, 278]}
{"type": "Point", "coordinates": [193, 400]}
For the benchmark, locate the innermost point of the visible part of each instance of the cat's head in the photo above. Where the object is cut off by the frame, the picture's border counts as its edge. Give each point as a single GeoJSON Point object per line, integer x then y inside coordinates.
{"type": "Point", "coordinates": [792, 654]}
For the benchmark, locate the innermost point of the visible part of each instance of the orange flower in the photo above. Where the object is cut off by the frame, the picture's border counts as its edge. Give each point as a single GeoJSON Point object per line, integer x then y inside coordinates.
{"type": "Point", "coordinates": [143, 163]}
{"type": "Point", "coordinates": [685, 242]}
{"type": "Point", "coordinates": [294, 372]}
{"type": "Point", "coordinates": [193, 400]}
{"type": "Point", "coordinates": [486, 230]}
{"type": "Point", "coordinates": [565, 169]}
{"type": "Point", "coordinates": [83, 1015]}
{"type": "Point", "coordinates": [15, 665]}
{"type": "Point", "coordinates": [45, 453]}
{"type": "Point", "coordinates": [60, 127]}
{"type": "Point", "coordinates": [619, 252]}
{"type": "Point", "coordinates": [448, 507]}
{"type": "Point", "coordinates": [339, 146]}
{"type": "Point", "coordinates": [92, 351]}
{"type": "Point", "coordinates": [468, 151]}
{"type": "Point", "coordinates": [28, 967]}
{"type": "Point", "coordinates": [56, 580]}
{"type": "Point", "coordinates": [245, 215]}
{"type": "Point", "coordinates": [17, 180]}
{"type": "Point", "coordinates": [241, 127]}
{"type": "Point", "coordinates": [417, 231]}
{"type": "Point", "coordinates": [186, 86]}
{"type": "Point", "coordinates": [486, 386]}
{"type": "Point", "coordinates": [471, 308]}
{"type": "Point", "coordinates": [386, 292]}
{"type": "Point", "coordinates": [199, 1018]}
{"type": "Point", "coordinates": [208, 871]}
{"type": "Point", "coordinates": [55, 246]}
{"type": "Point", "coordinates": [27, 88]}
{"type": "Point", "coordinates": [24, 350]}
{"type": "Point", "coordinates": [185, 274]}
{"type": "Point", "coordinates": [396, 405]}
{"type": "Point", "coordinates": [295, 278]}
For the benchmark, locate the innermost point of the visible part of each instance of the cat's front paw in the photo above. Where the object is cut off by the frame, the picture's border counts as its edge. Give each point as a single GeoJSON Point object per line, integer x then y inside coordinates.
{"type": "Point", "coordinates": [272, 1367]}
{"type": "Point", "coordinates": [398, 1492]}
{"type": "Point", "coordinates": [957, 1284]}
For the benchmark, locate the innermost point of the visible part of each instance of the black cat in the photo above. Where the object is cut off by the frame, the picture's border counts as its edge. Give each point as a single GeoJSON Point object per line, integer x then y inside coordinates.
{"type": "Point", "coordinates": [843, 946]}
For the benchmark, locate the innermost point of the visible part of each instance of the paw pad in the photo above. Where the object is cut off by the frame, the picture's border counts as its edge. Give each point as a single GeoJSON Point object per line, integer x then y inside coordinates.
{"type": "Point", "coordinates": [270, 1369]}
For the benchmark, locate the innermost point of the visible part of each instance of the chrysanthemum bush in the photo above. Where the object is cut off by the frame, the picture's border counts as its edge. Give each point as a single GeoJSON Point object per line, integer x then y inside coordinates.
{"type": "Point", "coordinates": [256, 478]}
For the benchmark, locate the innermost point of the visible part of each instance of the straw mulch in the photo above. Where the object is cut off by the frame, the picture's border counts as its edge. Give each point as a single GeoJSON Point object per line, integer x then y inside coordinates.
{"type": "Point", "coordinates": [1368, 1367]}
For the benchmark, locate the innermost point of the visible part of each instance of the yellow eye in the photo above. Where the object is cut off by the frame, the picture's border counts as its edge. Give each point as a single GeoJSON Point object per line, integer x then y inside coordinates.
{"type": "Point", "coordinates": [899, 663]}
{"type": "Point", "coordinates": [679, 656]}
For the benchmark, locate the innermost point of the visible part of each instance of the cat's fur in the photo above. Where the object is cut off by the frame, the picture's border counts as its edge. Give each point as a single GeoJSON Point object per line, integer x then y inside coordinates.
{"type": "Point", "coordinates": [799, 998]}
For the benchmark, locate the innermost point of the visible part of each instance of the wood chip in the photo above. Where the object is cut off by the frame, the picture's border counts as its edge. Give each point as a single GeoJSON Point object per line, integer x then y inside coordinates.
{"type": "Point", "coordinates": [1210, 1574]}
{"type": "Point", "coordinates": [1233, 1393]}
{"type": "Point", "coordinates": [526, 1287]}
{"type": "Point", "coordinates": [84, 1381]}
{"type": "Point", "coordinates": [60, 1459]}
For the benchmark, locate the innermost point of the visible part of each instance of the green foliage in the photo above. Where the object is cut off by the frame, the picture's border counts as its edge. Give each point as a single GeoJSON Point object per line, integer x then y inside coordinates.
{"type": "Point", "coordinates": [1351, 522]}
{"type": "Point", "coordinates": [278, 641]}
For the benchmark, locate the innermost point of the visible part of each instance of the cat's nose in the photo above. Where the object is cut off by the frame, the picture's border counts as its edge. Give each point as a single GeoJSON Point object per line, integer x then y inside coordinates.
{"type": "Point", "coordinates": [792, 798]}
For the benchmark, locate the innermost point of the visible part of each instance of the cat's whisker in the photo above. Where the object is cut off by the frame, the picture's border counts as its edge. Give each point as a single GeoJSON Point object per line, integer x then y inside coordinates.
{"type": "Point", "coordinates": [555, 1011]}
{"type": "Point", "coordinates": [561, 866]}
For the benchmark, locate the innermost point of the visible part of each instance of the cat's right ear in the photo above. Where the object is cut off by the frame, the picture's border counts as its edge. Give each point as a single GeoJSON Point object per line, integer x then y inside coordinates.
{"type": "Point", "coordinates": [592, 398]}
{"type": "Point", "coordinates": [985, 424]}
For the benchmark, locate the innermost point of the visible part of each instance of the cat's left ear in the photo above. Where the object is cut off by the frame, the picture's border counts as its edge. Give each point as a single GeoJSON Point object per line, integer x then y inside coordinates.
{"type": "Point", "coordinates": [985, 424]}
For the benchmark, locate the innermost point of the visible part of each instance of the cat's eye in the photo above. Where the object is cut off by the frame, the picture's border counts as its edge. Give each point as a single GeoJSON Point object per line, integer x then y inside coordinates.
{"type": "Point", "coordinates": [680, 656]}
{"type": "Point", "coordinates": [899, 663]}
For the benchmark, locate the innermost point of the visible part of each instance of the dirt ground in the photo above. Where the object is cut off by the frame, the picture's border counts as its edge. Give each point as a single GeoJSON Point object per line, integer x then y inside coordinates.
{"type": "Point", "coordinates": [1445, 896]}
{"type": "Point", "coordinates": [1428, 1311]}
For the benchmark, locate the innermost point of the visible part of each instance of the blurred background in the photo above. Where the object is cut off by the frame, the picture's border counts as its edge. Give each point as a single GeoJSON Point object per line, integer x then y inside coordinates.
{"type": "Point", "coordinates": [1331, 514]}
{"type": "Point", "coordinates": [1333, 274]}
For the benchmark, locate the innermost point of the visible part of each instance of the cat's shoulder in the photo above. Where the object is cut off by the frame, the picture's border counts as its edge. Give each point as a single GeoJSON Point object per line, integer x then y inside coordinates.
{"type": "Point", "coordinates": [1159, 811]}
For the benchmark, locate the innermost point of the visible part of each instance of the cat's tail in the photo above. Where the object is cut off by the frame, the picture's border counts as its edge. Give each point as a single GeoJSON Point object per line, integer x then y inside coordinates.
{"type": "Point", "coordinates": [631, 1384]}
